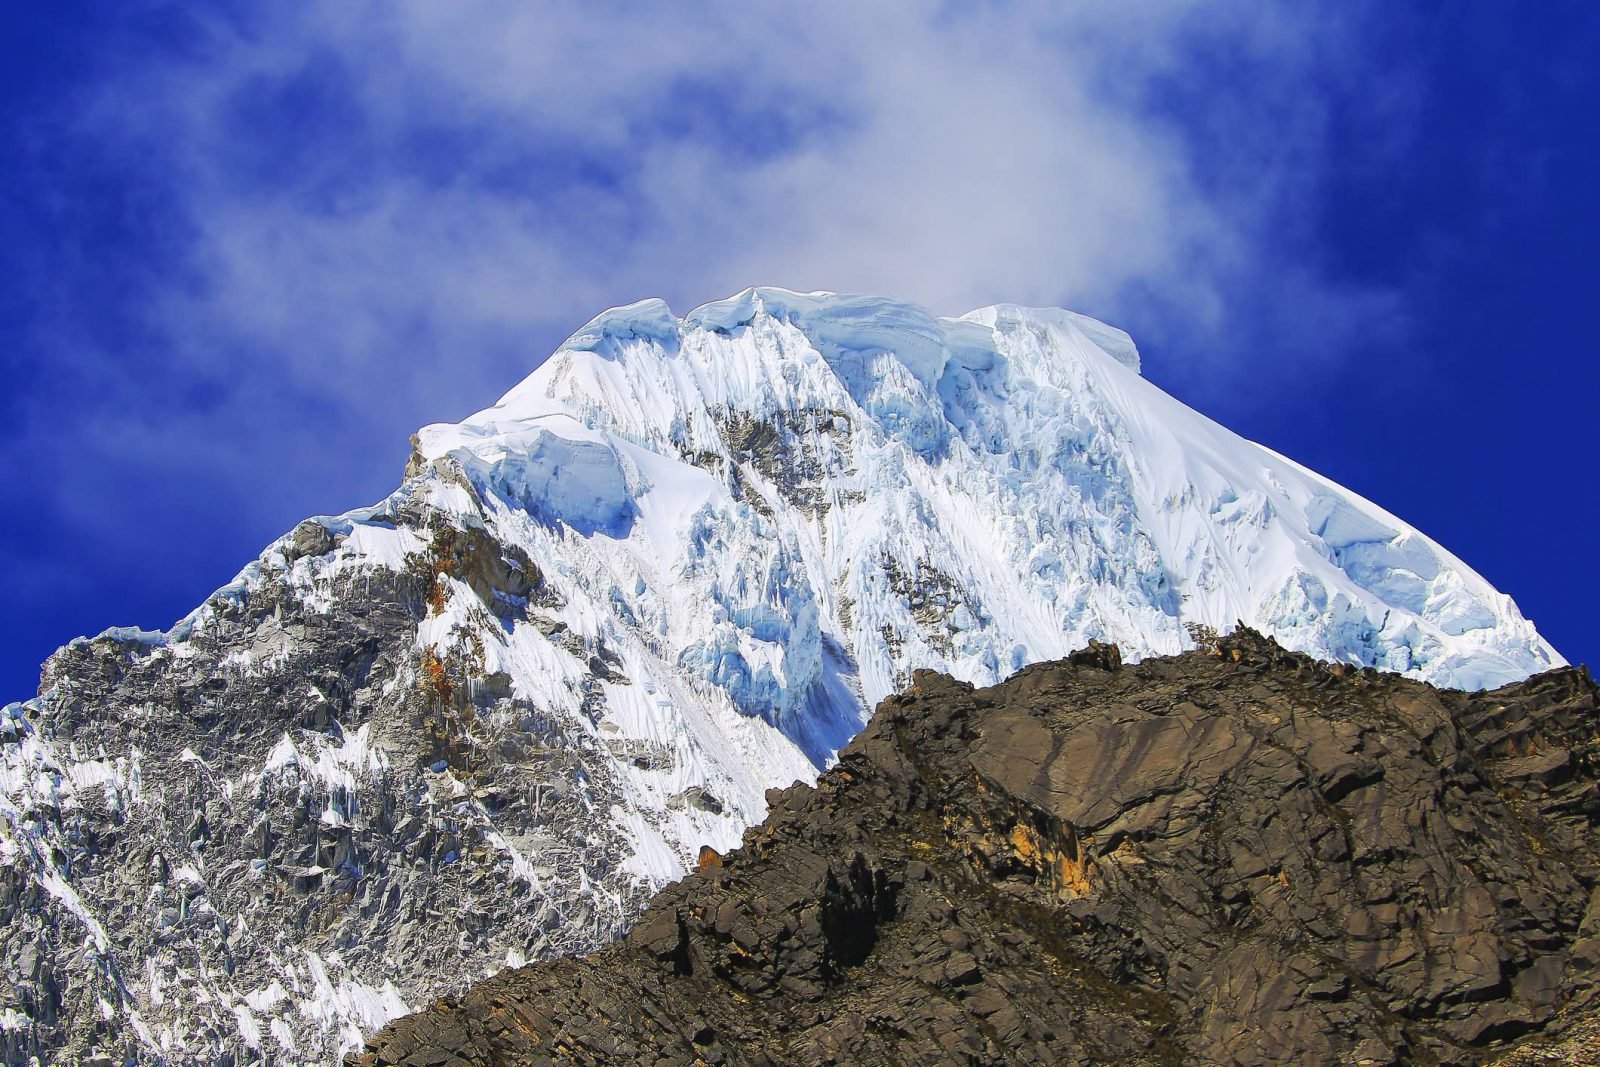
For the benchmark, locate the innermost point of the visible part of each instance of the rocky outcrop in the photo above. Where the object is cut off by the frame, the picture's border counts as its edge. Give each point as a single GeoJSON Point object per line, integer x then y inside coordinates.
{"type": "Point", "coordinates": [486, 719]}
{"type": "Point", "coordinates": [259, 844]}
{"type": "Point", "coordinates": [1237, 855]}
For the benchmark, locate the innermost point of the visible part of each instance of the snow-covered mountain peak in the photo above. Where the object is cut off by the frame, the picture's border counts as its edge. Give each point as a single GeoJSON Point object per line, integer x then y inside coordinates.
{"type": "Point", "coordinates": [1022, 433]}
{"type": "Point", "coordinates": [1064, 328]}
{"type": "Point", "coordinates": [843, 330]}
{"type": "Point", "coordinates": [678, 564]}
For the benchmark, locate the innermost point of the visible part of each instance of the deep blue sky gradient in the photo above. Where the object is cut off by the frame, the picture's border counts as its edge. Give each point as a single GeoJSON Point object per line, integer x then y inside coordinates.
{"type": "Point", "coordinates": [1479, 427]}
{"type": "Point", "coordinates": [1446, 191]}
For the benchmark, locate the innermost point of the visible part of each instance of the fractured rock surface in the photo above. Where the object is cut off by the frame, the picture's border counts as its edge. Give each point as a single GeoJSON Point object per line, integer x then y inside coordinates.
{"type": "Point", "coordinates": [259, 847]}
{"type": "Point", "coordinates": [485, 719]}
{"type": "Point", "coordinates": [1232, 856]}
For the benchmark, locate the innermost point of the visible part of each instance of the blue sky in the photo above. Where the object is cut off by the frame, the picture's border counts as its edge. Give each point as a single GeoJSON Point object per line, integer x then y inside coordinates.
{"type": "Point", "coordinates": [247, 249]}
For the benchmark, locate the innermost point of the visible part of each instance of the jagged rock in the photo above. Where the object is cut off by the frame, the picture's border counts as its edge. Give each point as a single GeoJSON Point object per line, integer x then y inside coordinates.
{"type": "Point", "coordinates": [1100, 654]}
{"type": "Point", "coordinates": [1238, 856]}
{"type": "Point", "coordinates": [265, 845]}
{"type": "Point", "coordinates": [465, 725]}
{"type": "Point", "coordinates": [310, 538]}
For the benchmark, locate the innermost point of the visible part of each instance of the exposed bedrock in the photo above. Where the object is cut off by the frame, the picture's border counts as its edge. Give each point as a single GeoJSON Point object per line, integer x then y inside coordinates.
{"type": "Point", "coordinates": [1237, 856]}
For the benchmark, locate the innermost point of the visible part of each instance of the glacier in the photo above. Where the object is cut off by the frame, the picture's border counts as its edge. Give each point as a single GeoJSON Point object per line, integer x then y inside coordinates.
{"type": "Point", "coordinates": [776, 449]}
{"type": "Point", "coordinates": [481, 720]}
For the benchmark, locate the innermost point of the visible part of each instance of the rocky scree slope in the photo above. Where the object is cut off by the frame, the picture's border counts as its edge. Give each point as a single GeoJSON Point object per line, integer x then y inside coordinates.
{"type": "Point", "coordinates": [482, 720]}
{"type": "Point", "coordinates": [1237, 856]}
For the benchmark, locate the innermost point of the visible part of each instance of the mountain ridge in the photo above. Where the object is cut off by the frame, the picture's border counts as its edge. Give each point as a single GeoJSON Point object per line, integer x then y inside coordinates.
{"type": "Point", "coordinates": [1237, 856]}
{"type": "Point", "coordinates": [484, 719]}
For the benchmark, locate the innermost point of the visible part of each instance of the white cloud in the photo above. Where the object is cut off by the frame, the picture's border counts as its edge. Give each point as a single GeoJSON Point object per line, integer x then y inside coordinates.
{"type": "Point", "coordinates": [503, 170]}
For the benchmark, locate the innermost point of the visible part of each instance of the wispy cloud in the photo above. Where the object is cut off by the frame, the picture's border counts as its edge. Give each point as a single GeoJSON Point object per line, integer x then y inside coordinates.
{"type": "Point", "coordinates": [374, 215]}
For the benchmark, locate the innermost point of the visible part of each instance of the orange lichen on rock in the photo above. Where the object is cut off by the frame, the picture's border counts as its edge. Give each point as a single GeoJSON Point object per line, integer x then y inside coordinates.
{"type": "Point", "coordinates": [1060, 863]}
{"type": "Point", "coordinates": [435, 678]}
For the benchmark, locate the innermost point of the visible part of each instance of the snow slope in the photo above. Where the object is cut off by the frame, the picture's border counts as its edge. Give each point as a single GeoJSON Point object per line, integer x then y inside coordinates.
{"type": "Point", "coordinates": [677, 565]}
{"type": "Point", "coordinates": [1013, 458]}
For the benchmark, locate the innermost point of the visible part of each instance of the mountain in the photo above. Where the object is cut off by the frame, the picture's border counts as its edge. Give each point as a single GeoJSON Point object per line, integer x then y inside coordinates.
{"type": "Point", "coordinates": [484, 719]}
{"type": "Point", "coordinates": [1233, 856]}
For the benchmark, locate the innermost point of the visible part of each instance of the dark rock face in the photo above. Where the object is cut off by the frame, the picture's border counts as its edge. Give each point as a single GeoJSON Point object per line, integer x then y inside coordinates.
{"type": "Point", "coordinates": [1239, 856]}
